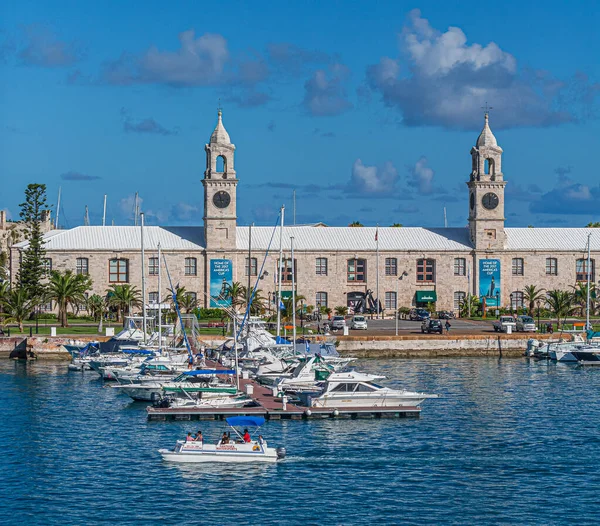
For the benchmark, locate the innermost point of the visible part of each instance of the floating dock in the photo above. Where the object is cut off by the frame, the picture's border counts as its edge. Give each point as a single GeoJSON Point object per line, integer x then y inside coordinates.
{"type": "Point", "coordinates": [271, 408]}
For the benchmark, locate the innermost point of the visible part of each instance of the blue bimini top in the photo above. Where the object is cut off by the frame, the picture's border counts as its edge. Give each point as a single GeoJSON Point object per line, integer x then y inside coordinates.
{"type": "Point", "coordinates": [242, 421]}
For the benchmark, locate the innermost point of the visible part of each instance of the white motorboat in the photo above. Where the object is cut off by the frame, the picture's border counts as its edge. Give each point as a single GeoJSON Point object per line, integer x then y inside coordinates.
{"type": "Point", "coordinates": [354, 389]}
{"type": "Point", "coordinates": [305, 376]}
{"type": "Point", "coordinates": [202, 381]}
{"type": "Point", "coordinates": [217, 402]}
{"type": "Point", "coordinates": [237, 450]}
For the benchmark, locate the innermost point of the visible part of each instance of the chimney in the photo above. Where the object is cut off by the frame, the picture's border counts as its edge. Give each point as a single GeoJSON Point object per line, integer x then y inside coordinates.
{"type": "Point", "coordinates": [2, 219]}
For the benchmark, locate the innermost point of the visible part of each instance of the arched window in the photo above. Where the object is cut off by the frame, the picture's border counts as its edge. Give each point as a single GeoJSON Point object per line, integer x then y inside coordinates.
{"type": "Point", "coordinates": [489, 168]}
{"type": "Point", "coordinates": [118, 270]}
{"type": "Point", "coordinates": [221, 164]}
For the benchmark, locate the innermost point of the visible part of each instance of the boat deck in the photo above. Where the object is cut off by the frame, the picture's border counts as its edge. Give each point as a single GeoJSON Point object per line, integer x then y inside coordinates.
{"type": "Point", "coordinates": [271, 408]}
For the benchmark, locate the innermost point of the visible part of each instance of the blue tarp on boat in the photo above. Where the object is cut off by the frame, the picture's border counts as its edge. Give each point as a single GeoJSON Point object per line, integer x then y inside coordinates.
{"type": "Point", "coordinates": [279, 339]}
{"type": "Point", "coordinates": [245, 421]}
{"type": "Point", "coordinates": [198, 372]}
{"type": "Point", "coordinates": [138, 351]}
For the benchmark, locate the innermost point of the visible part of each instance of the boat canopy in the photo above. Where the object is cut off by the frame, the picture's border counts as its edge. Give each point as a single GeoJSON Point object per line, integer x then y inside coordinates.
{"type": "Point", "coordinates": [245, 421]}
{"type": "Point", "coordinates": [138, 351]}
{"type": "Point", "coordinates": [198, 372]}
{"type": "Point", "coordinates": [281, 340]}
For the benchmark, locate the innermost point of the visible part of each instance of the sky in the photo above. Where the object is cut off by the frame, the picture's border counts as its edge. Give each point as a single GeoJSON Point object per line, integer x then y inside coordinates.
{"type": "Point", "coordinates": [367, 109]}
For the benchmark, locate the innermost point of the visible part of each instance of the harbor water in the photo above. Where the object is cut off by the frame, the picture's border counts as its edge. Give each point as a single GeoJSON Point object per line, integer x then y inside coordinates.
{"type": "Point", "coordinates": [508, 442]}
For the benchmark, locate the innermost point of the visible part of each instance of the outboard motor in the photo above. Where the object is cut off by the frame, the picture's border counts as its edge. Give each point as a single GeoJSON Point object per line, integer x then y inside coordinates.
{"type": "Point", "coordinates": [280, 453]}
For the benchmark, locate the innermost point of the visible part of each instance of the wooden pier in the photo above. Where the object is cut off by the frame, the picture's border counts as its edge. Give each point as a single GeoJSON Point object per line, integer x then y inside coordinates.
{"type": "Point", "coordinates": [271, 408]}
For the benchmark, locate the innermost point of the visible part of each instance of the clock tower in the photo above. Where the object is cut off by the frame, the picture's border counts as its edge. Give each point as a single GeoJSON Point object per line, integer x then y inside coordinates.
{"type": "Point", "coordinates": [486, 192]}
{"type": "Point", "coordinates": [220, 183]}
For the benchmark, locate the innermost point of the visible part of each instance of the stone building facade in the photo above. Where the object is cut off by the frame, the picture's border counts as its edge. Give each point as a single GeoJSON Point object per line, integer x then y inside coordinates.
{"type": "Point", "coordinates": [340, 265]}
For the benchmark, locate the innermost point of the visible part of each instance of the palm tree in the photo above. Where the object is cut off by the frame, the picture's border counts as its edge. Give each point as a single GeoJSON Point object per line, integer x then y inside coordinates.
{"type": "Point", "coordinates": [257, 304]}
{"type": "Point", "coordinates": [236, 293]}
{"type": "Point", "coordinates": [356, 223]}
{"type": "Point", "coordinates": [17, 307]}
{"type": "Point", "coordinates": [97, 307]}
{"type": "Point", "coordinates": [560, 303]}
{"type": "Point", "coordinates": [187, 301]}
{"type": "Point", "coordinates": [67, 288]}
{"type": "Point", "coordinates": [4, 291]}
{"type": "Point", "coordinates": [341, 310]}
{"type": "Point", "coordinates": [397, 225]}
{"type": "Point", "coordinates": [532, 294]}
{"type": "Point", "coordinates": [123, 297]}
{"type": "Point", "coordinates": [580, 297]}
{"type": "Point", "coordinates": [288, 309]}
{"type": "Point", "coordinates": [469, 306]}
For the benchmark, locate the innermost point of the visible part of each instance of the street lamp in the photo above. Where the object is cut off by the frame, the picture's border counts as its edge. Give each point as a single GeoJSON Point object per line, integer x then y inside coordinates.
{"type": "Point", "coordinates": [511, 303]}
{"type": "Point", "coordinates": [497, 304]}
{"type": "Point", "coordinates": [538, 313]}
{"type": "Point", "coordinates": [397, 294]}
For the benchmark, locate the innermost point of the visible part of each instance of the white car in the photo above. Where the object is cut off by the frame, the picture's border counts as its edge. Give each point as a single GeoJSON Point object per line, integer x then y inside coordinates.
{"type": "Point", "coordinates": [359, 322]}
{"type": "Point", "coordinates": [526, 324]}
{"type": "Point", "coordinates": [338, 322]}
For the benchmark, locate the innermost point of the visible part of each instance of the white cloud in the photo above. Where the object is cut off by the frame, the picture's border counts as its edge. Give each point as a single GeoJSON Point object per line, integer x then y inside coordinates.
{"type": "Point", "coordinates": [372, 179]}
{"type": "Point", "coordinates": [421, 177]}
{"type": "Point", "coordinates": [325, 93]}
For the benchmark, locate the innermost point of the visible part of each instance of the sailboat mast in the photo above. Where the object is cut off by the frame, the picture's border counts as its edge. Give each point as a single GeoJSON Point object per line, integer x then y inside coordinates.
{"type": "Point", "coordinates": [279, 272]}
{"type": "Point", "coordinates": [293, 293]}
{"type": "Point", "coordinates": [143, 277]}
{"type": "Point", "coordinates": [249, 267]}
{"type": "Point", "coordinates": [57, 208]}
{"type": "Point", "coordinates": [589, 271]}
{"type": "Point", "coordinates": [104, 212]}
{"type": "Point", "coordinates": [159, 299]}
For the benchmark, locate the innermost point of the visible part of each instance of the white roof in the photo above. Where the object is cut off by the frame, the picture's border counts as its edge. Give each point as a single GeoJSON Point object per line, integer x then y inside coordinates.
{"type": "Point", "coordinates": [220, 135]}
{"type": "Point", "coordinates": [486, 137]}
{"type": "Point", "coordinates": [572, 239]}
{"type": "Point", "coordinates": [88, 238]}
{"type": "Point", "coordinates": [357, 238]}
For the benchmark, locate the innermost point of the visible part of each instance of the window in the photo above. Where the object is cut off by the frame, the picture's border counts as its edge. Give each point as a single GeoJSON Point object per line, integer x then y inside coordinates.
{"type": "Point", "coordinates": [390, 300]}
{"type": "Point", "coordinates": [190, 266]}
{"type": "Point", "coordinates": [517, 300]}
{"type": "Point", "coordinates": [83, 305]}
{"type": "Point", "coordinates": [551, 266]}
{"type": "Point", "coordinates": [46, 307]}
{"type": "Point", "coordinates": [321, 300]}
{"type": "Point", "coordinates": [252, 270]}
{"type": "Point", "coordinates": [47, 262]}
{"type": "Point", "coordinates": [321, 267]}
{"type": "Point", "coordinates": [82, 266]}
{"type": "Point", "coordinates": [153, 266]}
{"type": "Point", "coordinates": [286, 269]}
{"type": "Point", "coordinates": [459, 299]}
{"type": "Point", "coordinates": [460, 267]}
{"type": "Point", "coordinates": [357, 270]}
{"type": "Point", "coordinates": [425, 270]}
{"type": "Point", "coordinates": [193, 297]}
{"type": "Point", "coordinates": [517, 266]}
{"type": "Point", "coordinates": [391, 267]}
{"type": "Point", "coordinates": [118, 271]}
{"type": "Point", "coordinates": [153, 298]}
{"type": "Point", "coordinates": [581, 270]}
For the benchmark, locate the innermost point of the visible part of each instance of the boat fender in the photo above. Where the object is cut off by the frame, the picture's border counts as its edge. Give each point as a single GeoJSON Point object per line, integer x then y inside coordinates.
{"type": "Point", "coordinates": [308, 412]}
{"type": "Point", "coordinates": [336, 412]}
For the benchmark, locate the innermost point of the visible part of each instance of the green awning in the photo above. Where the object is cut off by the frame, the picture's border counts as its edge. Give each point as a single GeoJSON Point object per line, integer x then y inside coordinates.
{"type": "Point", "coordinates": [426, 296]}
{"type": "Point", "coordinates": [286, 294]}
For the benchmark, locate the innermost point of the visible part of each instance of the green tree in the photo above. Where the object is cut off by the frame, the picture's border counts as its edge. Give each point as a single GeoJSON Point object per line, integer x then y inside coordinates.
{"type": "Point", "coordinates": [397, 225]}
{"type": "Point", "coordinates": [236, 293]}
{"type": "Point", "coordinates": [4, 292]}
{"type": "Point", "coordinates": [67, 289]}
{"type": "Point", "coordinates": [33, 269]}
{"type": "Point", "coordinates": [560, 303]}
{"type": "Point", "coordinates": [341, 310]}
{"type": "Point", "coordinates": [580, 297]}
{"type": "Point", "coordinates": [288, 308]}
{"type": "Point", "coordinates": [97, 307]}
{"type": "Point", "coordinates": [17, 307]}
{"type": "Point", "coordinates": [187, 302]}
{"type": "Point", "coordinates": [356, 223]}
{"type": "Point", "coordinates": [3, 265]}
{"type": "Point", "coordinates": [123, 298]}
{"type": "Point", "coordinates": [532, 294]}
{"type": "Point", "coordinates": [593, 225]}
{"type": "Point", "coordinates": [470, 307]}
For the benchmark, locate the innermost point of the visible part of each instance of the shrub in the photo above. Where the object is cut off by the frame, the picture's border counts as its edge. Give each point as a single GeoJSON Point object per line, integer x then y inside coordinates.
{"type": "Point", "coordinates": [203, 314]}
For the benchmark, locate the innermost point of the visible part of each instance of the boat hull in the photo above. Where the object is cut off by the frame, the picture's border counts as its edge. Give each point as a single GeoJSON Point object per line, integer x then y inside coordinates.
{"type": "Point", "coordinates": [221, 454]}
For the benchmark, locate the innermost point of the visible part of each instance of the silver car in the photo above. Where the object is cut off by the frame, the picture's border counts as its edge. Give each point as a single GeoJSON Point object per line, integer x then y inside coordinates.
{"type": "Point", "coordinates": [525, 324]}
{"type": "Point", "coordinates": [359, 322]}
{"type": "Point", "coordinates": [338, 322]}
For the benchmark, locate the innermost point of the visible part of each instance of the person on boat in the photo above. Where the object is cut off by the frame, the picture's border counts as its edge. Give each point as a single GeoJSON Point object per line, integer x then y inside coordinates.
{"type": "Point", "coordinates": [199, 437]}
{"type": "Point", "coordinates": [261, 440]}
{"type": "Point", "coordinates": [246, 436]}
{"type": "Point", "coordinates": [189, 438]}
{"type": "Point", "coordinates": [224, 438]}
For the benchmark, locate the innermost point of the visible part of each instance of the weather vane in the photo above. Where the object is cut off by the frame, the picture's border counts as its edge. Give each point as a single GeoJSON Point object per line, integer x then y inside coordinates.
{"type": "Point", "coordinates": [487, 108]}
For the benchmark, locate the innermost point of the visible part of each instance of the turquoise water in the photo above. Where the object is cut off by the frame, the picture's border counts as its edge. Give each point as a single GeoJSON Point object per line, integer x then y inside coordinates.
{"type": "Point", "coordinates": [508, 442]}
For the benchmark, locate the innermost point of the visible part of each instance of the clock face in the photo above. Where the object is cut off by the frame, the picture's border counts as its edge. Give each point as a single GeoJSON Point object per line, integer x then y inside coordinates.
{"type": "Point", "coordinates": [221, 199]}
{"type": "Point", "coordinates": [490, 200]}
{"type": "Point", "coordinates": [472, 201]}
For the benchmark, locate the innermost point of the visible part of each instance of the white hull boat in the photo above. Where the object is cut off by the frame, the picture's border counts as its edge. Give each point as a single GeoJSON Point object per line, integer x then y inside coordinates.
{"type": "Point", "coordinates": [251, 450]}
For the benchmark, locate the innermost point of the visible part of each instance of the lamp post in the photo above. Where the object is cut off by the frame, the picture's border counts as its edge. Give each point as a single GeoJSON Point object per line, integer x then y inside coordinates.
{"type": "Point", "coordinates": [397, 295]}
{"type": "Point", "coordinates": [511, 303]}
{"type": "Point", "coordinates": [538, 313]}
{"type": "Point", "coordinates": [497, 304]}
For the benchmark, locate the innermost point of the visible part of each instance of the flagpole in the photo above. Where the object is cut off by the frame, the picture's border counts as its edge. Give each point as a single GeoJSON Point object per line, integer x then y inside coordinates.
{"type": "Point", "coordinates": [293, 294]}
{"type": "Point", "coordinates": [377, 302]}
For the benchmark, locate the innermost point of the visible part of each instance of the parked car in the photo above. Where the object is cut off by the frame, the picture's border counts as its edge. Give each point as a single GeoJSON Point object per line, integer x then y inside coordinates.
{"type": "Point", "coordinates": [418, 315]}
{"type": "Point", "coordinates": [503, 323]}
{"type": "Point", "coordinates": [429, 326]}
{"type": "Point", "coordinates": [445, 315]}
{"type": "Point", "coordinates": [526, 324]}
{"type": "Point", "coordinates": [359, 322]}
{"type": "Point", "coordinates": [338, 322]}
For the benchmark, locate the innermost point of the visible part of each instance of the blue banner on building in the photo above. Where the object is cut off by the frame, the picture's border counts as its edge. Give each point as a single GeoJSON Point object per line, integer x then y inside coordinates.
{"type": "Point", "coordinates": [221, 277]}
{"type": "Point", "coordinates": [489, 282]}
